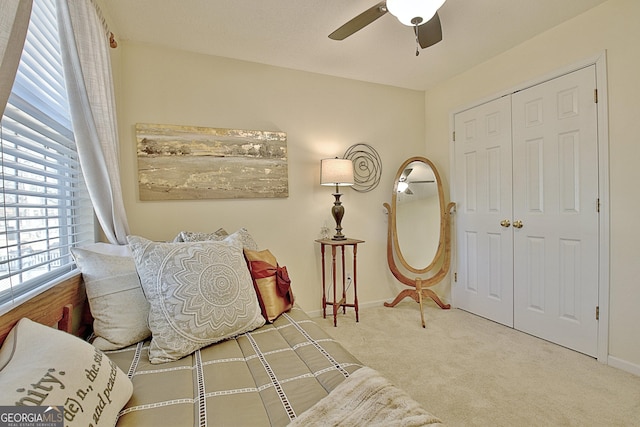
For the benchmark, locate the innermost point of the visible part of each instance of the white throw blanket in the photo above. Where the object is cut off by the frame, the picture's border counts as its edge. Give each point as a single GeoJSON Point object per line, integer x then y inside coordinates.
{"type": "Point", "coordinates": [366, 398]}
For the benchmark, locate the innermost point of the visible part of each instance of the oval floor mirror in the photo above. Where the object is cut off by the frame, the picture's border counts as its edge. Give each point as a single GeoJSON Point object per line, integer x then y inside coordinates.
{"type": "Point", "coordinates": [418, 234]}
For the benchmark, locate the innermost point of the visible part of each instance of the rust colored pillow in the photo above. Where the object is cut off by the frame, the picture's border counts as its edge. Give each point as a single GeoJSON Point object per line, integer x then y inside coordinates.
{"type": "Point", "coordinates": [271, 283]}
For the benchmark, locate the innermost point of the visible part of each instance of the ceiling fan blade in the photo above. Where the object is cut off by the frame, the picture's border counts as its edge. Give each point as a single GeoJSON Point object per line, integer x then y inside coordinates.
{"type": "Point", "coordinates": [405, 174]}
{"type": "Point", "coordinates": [360, 21]}
{"type": "Point", "coordinates": [430, 32]}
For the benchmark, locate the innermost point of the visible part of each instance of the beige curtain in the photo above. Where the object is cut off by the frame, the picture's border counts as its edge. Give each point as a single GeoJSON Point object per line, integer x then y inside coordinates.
{"type": "Point", "coordinates": [87, 64]}
{"type": "Point", "coordinates": [14, 22]}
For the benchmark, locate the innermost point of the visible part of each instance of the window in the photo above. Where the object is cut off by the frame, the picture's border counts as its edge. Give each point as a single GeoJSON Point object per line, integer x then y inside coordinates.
{"type": "Point", "coordinates": [45, 206]}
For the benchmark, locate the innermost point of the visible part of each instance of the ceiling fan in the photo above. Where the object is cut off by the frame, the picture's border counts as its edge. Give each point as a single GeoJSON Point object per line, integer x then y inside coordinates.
{"type": "Point", "coordinates": [422, 15]}
{"type": "Point", "coordinates": [403, 182]}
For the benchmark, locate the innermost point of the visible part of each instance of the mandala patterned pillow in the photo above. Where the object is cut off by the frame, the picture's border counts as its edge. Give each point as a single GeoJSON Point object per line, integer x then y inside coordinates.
{"type": "Point", "coordinates": [199, 293]}
{"type": "Point", "coordinates": [196, 236]}
{"type": "Point", "coordinates": [241, 237]}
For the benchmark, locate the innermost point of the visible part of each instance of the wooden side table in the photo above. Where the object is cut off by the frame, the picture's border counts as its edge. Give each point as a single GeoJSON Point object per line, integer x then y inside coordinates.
{"type": "Point", "coordinates": [336, 304]}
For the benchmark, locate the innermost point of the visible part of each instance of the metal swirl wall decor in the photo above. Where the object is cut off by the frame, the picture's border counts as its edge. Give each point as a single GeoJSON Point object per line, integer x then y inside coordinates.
{"type": "Point", "coordinates": [367, 167]}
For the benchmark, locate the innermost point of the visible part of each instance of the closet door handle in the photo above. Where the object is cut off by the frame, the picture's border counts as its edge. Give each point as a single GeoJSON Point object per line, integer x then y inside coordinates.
{"type": "Point", "coordinates": [505, 223]}
{"type": "Point", "coordinates": [517, 224]}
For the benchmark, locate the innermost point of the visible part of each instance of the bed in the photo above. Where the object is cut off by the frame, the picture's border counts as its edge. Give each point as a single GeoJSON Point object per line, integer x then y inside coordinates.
{"type": "Point", "coordinates": [284, 371]}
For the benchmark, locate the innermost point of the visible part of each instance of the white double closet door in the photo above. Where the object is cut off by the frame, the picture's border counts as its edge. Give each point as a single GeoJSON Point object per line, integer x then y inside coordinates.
{"type": "Point", "coordinates": [526, 187]}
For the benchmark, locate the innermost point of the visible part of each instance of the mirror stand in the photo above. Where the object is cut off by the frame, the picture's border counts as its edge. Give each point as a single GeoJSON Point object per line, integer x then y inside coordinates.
{"type": "Point", "coordinates": [421, 286]}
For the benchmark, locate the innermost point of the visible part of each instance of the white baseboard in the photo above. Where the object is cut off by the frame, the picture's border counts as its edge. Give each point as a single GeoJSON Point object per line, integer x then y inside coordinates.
{"type": "Point", "coordinates": [623, 365]}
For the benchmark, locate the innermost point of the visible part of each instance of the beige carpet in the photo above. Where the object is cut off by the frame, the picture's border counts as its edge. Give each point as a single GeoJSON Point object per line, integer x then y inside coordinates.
{"type": "Point", "coordinates": [469, 371]}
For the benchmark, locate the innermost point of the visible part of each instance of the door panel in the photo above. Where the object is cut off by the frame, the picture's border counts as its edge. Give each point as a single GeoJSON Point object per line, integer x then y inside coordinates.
{"type": "Point", "coordinates": [483, 181]}
{"type": "Point", "coordinates": [555, 191]}
{"type": "Point", "coordinates": [533, 280]}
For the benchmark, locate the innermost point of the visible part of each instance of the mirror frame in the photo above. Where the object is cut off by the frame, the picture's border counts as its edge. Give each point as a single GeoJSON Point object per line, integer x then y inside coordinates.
{"type": "Point", "coordinates": [394, 199]}
{"type": "Point", "coordinates": [419, 287]}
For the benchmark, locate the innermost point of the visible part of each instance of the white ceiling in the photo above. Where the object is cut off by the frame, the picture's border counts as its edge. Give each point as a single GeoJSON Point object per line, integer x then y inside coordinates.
{"type": "Point", "coordinates": [293, 34]}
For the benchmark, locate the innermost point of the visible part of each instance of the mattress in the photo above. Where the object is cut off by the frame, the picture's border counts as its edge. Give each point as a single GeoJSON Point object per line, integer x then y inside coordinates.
{"type": "Point", "coordinates": [266, 377]}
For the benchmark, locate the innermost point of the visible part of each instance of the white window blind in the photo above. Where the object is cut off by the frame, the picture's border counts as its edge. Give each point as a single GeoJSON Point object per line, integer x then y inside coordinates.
{"type": "Point", "coordinates": [45, 206]}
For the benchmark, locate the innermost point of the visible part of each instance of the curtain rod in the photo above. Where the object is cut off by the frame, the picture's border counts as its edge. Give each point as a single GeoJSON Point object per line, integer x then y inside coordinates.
{"type": "Point", "coordinates": [112, 39]}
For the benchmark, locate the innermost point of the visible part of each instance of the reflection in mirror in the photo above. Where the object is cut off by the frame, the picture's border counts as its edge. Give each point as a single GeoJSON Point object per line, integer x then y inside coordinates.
{"type": "Point", "coordinates": [418, 214]}
{"type": "Point", "coordinates": [418, 233]}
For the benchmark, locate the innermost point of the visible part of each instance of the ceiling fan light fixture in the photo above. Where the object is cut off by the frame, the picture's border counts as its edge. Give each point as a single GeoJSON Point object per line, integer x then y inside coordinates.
{"type": "Point", "coordinates": [413, 12]}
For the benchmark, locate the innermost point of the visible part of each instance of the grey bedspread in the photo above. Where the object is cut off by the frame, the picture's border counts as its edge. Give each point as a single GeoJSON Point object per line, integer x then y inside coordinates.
{"type": "Point", "coordinates": [266, 377]}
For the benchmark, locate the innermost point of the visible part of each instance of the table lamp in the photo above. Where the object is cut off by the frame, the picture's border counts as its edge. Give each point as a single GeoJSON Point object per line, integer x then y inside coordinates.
{"type": "Point", "coordinates": [338, 172]}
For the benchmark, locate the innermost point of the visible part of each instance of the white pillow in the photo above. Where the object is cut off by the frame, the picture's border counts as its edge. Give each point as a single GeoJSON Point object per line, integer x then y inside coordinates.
{"type": "Point", "coordinates": [115, 296]}
{"type": "Point", "coordinates": [108, 249]}
{"type": "Point", "coordinates": [42, 366]}
{"type": "Point", "coordinates": [200, 293]}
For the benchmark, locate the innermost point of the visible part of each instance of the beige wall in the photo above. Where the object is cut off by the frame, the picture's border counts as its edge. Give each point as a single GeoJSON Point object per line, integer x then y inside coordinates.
{"type": "Point", "coordinates": [322, 117]}
{"type": "Point", "coordinates": [613, 27]}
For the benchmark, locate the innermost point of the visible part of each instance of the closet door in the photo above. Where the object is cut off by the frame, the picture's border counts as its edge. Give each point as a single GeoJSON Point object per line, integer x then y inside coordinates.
{"type": "Point", "coordinates": [482, 180]}
{"type": "Point", "coordinates": [555, 198]}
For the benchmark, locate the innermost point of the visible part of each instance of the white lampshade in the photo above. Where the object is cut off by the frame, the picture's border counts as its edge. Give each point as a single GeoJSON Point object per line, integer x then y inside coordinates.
{"type": "Point", "coordinates": [336, 172]}
{"type": "Point", "coordinates": [408, 10]}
